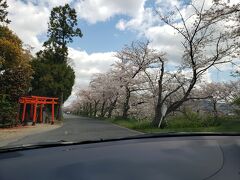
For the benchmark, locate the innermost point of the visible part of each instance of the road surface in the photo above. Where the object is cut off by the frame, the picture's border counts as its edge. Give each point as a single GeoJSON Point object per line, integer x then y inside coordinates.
{"type": "Point", "coordinates": [76, 128]}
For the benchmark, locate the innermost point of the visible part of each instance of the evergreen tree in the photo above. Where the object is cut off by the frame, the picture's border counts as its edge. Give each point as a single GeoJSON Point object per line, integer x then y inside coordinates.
{"type": "Point", "coordinates": [62, 27]}
{"type": "Point", "coordinates": [53, 76]}
{"type": "Point", "coordinates": [15, 70]}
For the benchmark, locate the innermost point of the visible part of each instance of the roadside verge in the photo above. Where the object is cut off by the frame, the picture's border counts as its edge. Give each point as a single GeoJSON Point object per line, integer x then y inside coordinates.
{"type": "Point", "coordinates": [9, 135]}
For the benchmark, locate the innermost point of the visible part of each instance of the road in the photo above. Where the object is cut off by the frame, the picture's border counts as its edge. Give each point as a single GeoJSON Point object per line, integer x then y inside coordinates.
{"type": "Point", "coordinates": [76, 128]}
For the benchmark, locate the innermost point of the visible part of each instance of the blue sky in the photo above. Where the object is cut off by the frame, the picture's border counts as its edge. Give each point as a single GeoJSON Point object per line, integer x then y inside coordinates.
{"type": "Point", "coordinates": [107, 25]}
{"type": "Point", "coordinates": [103, 36]}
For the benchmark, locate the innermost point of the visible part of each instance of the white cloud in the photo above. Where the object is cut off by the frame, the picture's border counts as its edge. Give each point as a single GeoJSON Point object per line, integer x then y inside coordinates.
{"type": "Point", "coordinates": [29, 18]}
{"type": "Point", "coordinates": [141, 22]}
{"type": "Point", "coordinates": [28, 21]}
{"type": "Point", "coordinates": [121, 25]}
{"type": "Point", "coordinates": [206, 78]}
{"type": "Point", "coordinates": [47, 3]}
{"type": "Point", "coordinates": [165, 6]}
{"type": "Point", "coordinates": [101, 10]}
{"type": "Point", "coordinates": [167, 40]}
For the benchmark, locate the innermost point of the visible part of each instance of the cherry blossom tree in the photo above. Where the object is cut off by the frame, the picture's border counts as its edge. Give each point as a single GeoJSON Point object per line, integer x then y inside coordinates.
{"type": "Point", "coordinates": [134, 59]}
{"type": "Point", "coordinates": [205, 46]}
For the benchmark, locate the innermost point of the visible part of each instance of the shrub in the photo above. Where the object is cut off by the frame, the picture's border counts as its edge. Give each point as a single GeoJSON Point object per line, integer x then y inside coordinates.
{"type": "Point", "coordinates": [210, 121]}
{"type": "Point", "coordinates": [192, 120]}
{"type": "Point", "coordinates": [8, 112]}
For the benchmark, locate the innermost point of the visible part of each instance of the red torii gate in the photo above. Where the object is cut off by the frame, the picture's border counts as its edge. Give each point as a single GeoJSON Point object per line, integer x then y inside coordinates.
{"type": "Point", "coordinates": [34, 101]}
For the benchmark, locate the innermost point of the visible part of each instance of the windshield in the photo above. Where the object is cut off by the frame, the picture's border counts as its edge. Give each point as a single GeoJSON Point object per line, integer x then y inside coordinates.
{"type": "Point", "coordinates": [91, 70]}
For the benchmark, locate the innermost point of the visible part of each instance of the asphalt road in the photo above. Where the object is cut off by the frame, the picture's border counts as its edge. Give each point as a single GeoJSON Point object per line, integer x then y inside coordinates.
{"type": "Point", "coordinates": [76, 128]}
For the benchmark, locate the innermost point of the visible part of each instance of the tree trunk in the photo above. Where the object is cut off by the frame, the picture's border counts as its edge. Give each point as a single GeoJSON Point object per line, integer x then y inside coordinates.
{"type": "Point", "coordinates": [215, 112]}
{"type": "Point", "coordinates": [95, 108]}
{"type": "Point", "coordinates": [109, 115]}
{"type": "Point", "coordinates": [60, 111]}
{"type": "Point", "coordinates": [90, 109]}
{"type": "Point", "coordinates": [158, 118]}
{"type": "Point", "coordinates": [126, 106]}
{"type": "Point", "coordinates": [160, 114]}
{"type": "Point", "coordinates": [174, 106]}
{"type": "Point", "coordinates": [85, 109]}
{"type": "Point", "coordinates": [111, 107]}
{"type": "Point", "coordinates": [102, 109]}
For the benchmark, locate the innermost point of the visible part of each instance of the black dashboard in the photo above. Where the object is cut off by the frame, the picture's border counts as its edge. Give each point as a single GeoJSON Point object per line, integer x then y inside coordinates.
{"type": "Point", "coordinates": [193, 158]}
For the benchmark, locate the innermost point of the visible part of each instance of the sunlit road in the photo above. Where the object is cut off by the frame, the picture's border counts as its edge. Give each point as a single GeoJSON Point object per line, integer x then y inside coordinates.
{"type": "Point", "coordinates": [77, 128]}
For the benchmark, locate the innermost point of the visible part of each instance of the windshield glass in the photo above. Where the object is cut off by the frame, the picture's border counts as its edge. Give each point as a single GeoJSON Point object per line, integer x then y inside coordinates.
{"type": "Point", "coordinates": [90, 70]}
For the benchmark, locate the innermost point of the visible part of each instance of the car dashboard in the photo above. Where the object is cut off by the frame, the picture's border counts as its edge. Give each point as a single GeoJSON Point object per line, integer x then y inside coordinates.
{"type": "Point", "coordinates": [185, 157]}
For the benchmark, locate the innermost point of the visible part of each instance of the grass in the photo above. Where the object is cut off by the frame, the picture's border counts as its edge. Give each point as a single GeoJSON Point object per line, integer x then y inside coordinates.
{"type": "Point", "coordinates": [225, 124]}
